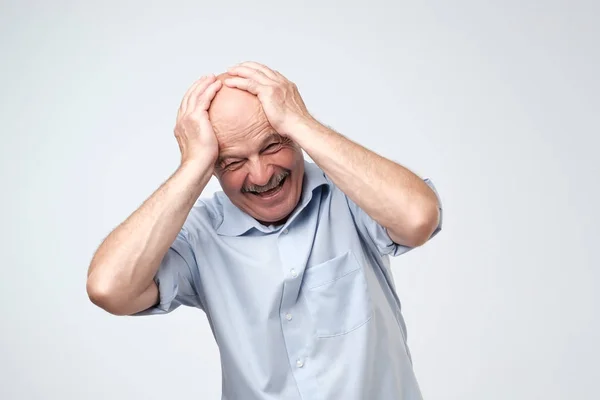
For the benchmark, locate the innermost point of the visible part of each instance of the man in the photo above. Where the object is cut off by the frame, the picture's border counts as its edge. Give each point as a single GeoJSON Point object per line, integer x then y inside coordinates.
{"type": "Point", "coordinates": [290, 262]}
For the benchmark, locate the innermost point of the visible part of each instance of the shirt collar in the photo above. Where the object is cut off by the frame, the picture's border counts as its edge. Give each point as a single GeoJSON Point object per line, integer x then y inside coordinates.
{"type": "Point", "coordinates": [236, 222]}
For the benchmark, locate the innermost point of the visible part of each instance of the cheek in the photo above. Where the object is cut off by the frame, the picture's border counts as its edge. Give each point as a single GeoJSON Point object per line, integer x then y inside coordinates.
{"type": "Point", "coordinates": [232, 180]}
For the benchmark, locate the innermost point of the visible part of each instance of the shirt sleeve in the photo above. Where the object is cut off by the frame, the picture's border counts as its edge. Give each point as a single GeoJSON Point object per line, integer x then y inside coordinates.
{"type": "Point", "coordinates": [378, 235]}
{"type": "Point", "coordinates": [177, 279]}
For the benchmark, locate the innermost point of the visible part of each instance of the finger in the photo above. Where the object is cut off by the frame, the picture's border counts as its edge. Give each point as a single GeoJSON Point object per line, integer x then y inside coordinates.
{"type": "Point", "coordinates": [208, 95]}
{"type": "Point", "coordinates": [245, 84]}
{"type": "Point", "coordinates": [250, 73]}
{"type": "Point", "coordinates": [280, 76]}
{"type": "Point", "coordinates": [205, 124]}
{"type": "Point", "coordinates": [184, 100]}
{"type": "Point", "coordinates": [198, 90]}
{"type": "Point", "coordinates": [260, 67]}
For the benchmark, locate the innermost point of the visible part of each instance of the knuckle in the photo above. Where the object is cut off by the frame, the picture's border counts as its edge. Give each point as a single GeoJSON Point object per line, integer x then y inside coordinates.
{"type": "Point", "coordinates": [272, 90]}
{"type": "Point", "coordinates": [279, 92]}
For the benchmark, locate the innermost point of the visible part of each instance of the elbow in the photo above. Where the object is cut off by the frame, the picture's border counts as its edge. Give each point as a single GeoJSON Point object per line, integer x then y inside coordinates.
{"type": "Point", "coordinates": [418, 232]}
{"type": "Point", "coordinates": [425, 227]}
{"type": "Point", "coordinates": [103, 296]}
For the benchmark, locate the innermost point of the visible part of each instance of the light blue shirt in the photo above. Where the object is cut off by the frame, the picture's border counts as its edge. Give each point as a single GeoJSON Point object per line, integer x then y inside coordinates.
{"type": "Point", "coordinates": [307, 310]}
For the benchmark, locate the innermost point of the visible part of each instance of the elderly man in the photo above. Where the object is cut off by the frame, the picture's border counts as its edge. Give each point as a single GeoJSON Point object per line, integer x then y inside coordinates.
{"type": "Point", "coordinates": [290, 262]}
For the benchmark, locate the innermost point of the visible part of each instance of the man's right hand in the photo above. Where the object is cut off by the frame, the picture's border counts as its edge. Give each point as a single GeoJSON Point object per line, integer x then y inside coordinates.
{"type": "Point", "coordinates": [193, 130]}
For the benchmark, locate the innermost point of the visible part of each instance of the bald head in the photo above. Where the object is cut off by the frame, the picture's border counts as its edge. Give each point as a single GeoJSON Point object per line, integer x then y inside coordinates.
{"type": "Point", "coordinates": [235, 111]}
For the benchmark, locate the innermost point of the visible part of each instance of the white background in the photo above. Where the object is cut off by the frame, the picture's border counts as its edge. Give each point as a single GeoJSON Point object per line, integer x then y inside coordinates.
{"type": "Point", "coordinates": [496, 101]}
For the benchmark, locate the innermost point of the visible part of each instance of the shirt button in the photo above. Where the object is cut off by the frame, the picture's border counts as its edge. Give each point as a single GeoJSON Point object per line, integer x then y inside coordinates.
{"type": "Point", "coordinates": [288, 316]}
{"type": "Point", "coordinates": [299, 363]}
{"type": "Point", "coordinates": [294, 273]}
{"type": "Point", "coordinates": [285, 231]}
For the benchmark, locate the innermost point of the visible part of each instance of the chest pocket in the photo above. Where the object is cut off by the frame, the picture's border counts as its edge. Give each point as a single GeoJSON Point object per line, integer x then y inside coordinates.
{"type": "Point", "coordinates": [337, 295]}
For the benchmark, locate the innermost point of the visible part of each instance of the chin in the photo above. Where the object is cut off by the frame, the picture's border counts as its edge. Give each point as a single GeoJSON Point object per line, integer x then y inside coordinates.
{"type": "Point", "coordinates": [276, 215]}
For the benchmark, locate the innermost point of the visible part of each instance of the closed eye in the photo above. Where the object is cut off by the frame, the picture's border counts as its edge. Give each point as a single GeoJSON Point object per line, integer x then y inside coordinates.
{"type": "Point", "coordinates": [273, 147]}
{"type": "Point", "coordinates": [233, 164]}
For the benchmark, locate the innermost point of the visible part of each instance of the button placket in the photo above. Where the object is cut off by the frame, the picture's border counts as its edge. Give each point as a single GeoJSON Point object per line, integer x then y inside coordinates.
{"type": "Point", "coordinates": [292, 319]}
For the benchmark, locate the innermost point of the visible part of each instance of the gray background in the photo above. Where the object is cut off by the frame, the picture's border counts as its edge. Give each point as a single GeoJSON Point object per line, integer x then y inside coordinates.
{"type": "Point", "coordinates": [497, 102]}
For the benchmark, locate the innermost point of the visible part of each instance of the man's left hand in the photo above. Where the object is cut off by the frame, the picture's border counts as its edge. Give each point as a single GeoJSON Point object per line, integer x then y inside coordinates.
{"type": "Point", "coordinates": [279, 97]}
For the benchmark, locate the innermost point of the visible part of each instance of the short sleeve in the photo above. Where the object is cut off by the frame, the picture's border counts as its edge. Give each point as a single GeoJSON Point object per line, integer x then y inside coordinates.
{"type": "Point", "coordinates": [177, 279]}
{"type": "Point", "coordinates": [378, 235]}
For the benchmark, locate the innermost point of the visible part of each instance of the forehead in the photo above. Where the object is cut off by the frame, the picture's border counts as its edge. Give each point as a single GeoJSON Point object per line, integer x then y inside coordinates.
{"type": "Point", "coordinates": [239, 122]}
{"type": "Point", "coordinates": [234, 110]}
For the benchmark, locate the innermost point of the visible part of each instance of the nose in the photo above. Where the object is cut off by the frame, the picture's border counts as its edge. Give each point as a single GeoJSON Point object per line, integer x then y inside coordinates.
{"type": "Point", "coordinates": [259, 173]}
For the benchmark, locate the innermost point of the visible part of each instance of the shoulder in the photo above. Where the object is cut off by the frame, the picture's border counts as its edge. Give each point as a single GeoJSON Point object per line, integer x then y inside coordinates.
{"type": "Point", "coordinates": [205, 216]}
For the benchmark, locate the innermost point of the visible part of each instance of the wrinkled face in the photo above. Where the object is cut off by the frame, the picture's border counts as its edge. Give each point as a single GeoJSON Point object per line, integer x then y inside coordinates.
{"type": "Point", "coordinates": [260, 171]}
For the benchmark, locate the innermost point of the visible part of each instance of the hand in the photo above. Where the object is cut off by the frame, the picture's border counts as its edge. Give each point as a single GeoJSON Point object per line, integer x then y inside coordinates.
{"type": "Point", "coordinates": [193, 130]}
{"type": "Point", "coordinates": [279, 97]}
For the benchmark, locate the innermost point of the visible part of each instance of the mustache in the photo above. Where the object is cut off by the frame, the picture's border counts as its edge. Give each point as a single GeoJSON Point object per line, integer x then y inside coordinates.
{"type": "Point", "coordinates": [273, 183]}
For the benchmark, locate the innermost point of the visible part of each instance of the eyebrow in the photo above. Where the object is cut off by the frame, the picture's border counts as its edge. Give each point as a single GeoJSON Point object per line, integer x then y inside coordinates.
{"type": "Point", "coordinates": [271, 137]}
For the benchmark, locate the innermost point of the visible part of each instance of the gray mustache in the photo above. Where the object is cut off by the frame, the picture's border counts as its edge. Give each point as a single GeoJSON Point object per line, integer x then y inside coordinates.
{"type": "Point", "coordinates": [273, 182]}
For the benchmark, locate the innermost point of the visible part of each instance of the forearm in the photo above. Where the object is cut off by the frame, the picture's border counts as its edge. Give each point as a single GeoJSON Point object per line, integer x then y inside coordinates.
{"type": "Point", "coordinates": [126, 262]}
{"type": "Point", "coordinates": [392, 195]}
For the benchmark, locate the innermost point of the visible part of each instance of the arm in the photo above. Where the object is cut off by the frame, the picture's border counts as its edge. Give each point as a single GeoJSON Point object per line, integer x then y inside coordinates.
{"type": "Point", "coordinates": [390, 194]}
{"type": "Point", "coordinates": [121, 274]}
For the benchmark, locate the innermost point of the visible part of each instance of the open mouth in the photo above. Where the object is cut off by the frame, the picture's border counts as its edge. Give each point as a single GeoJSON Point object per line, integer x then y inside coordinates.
{"type": "Point", "coordinates": [271, 192]}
